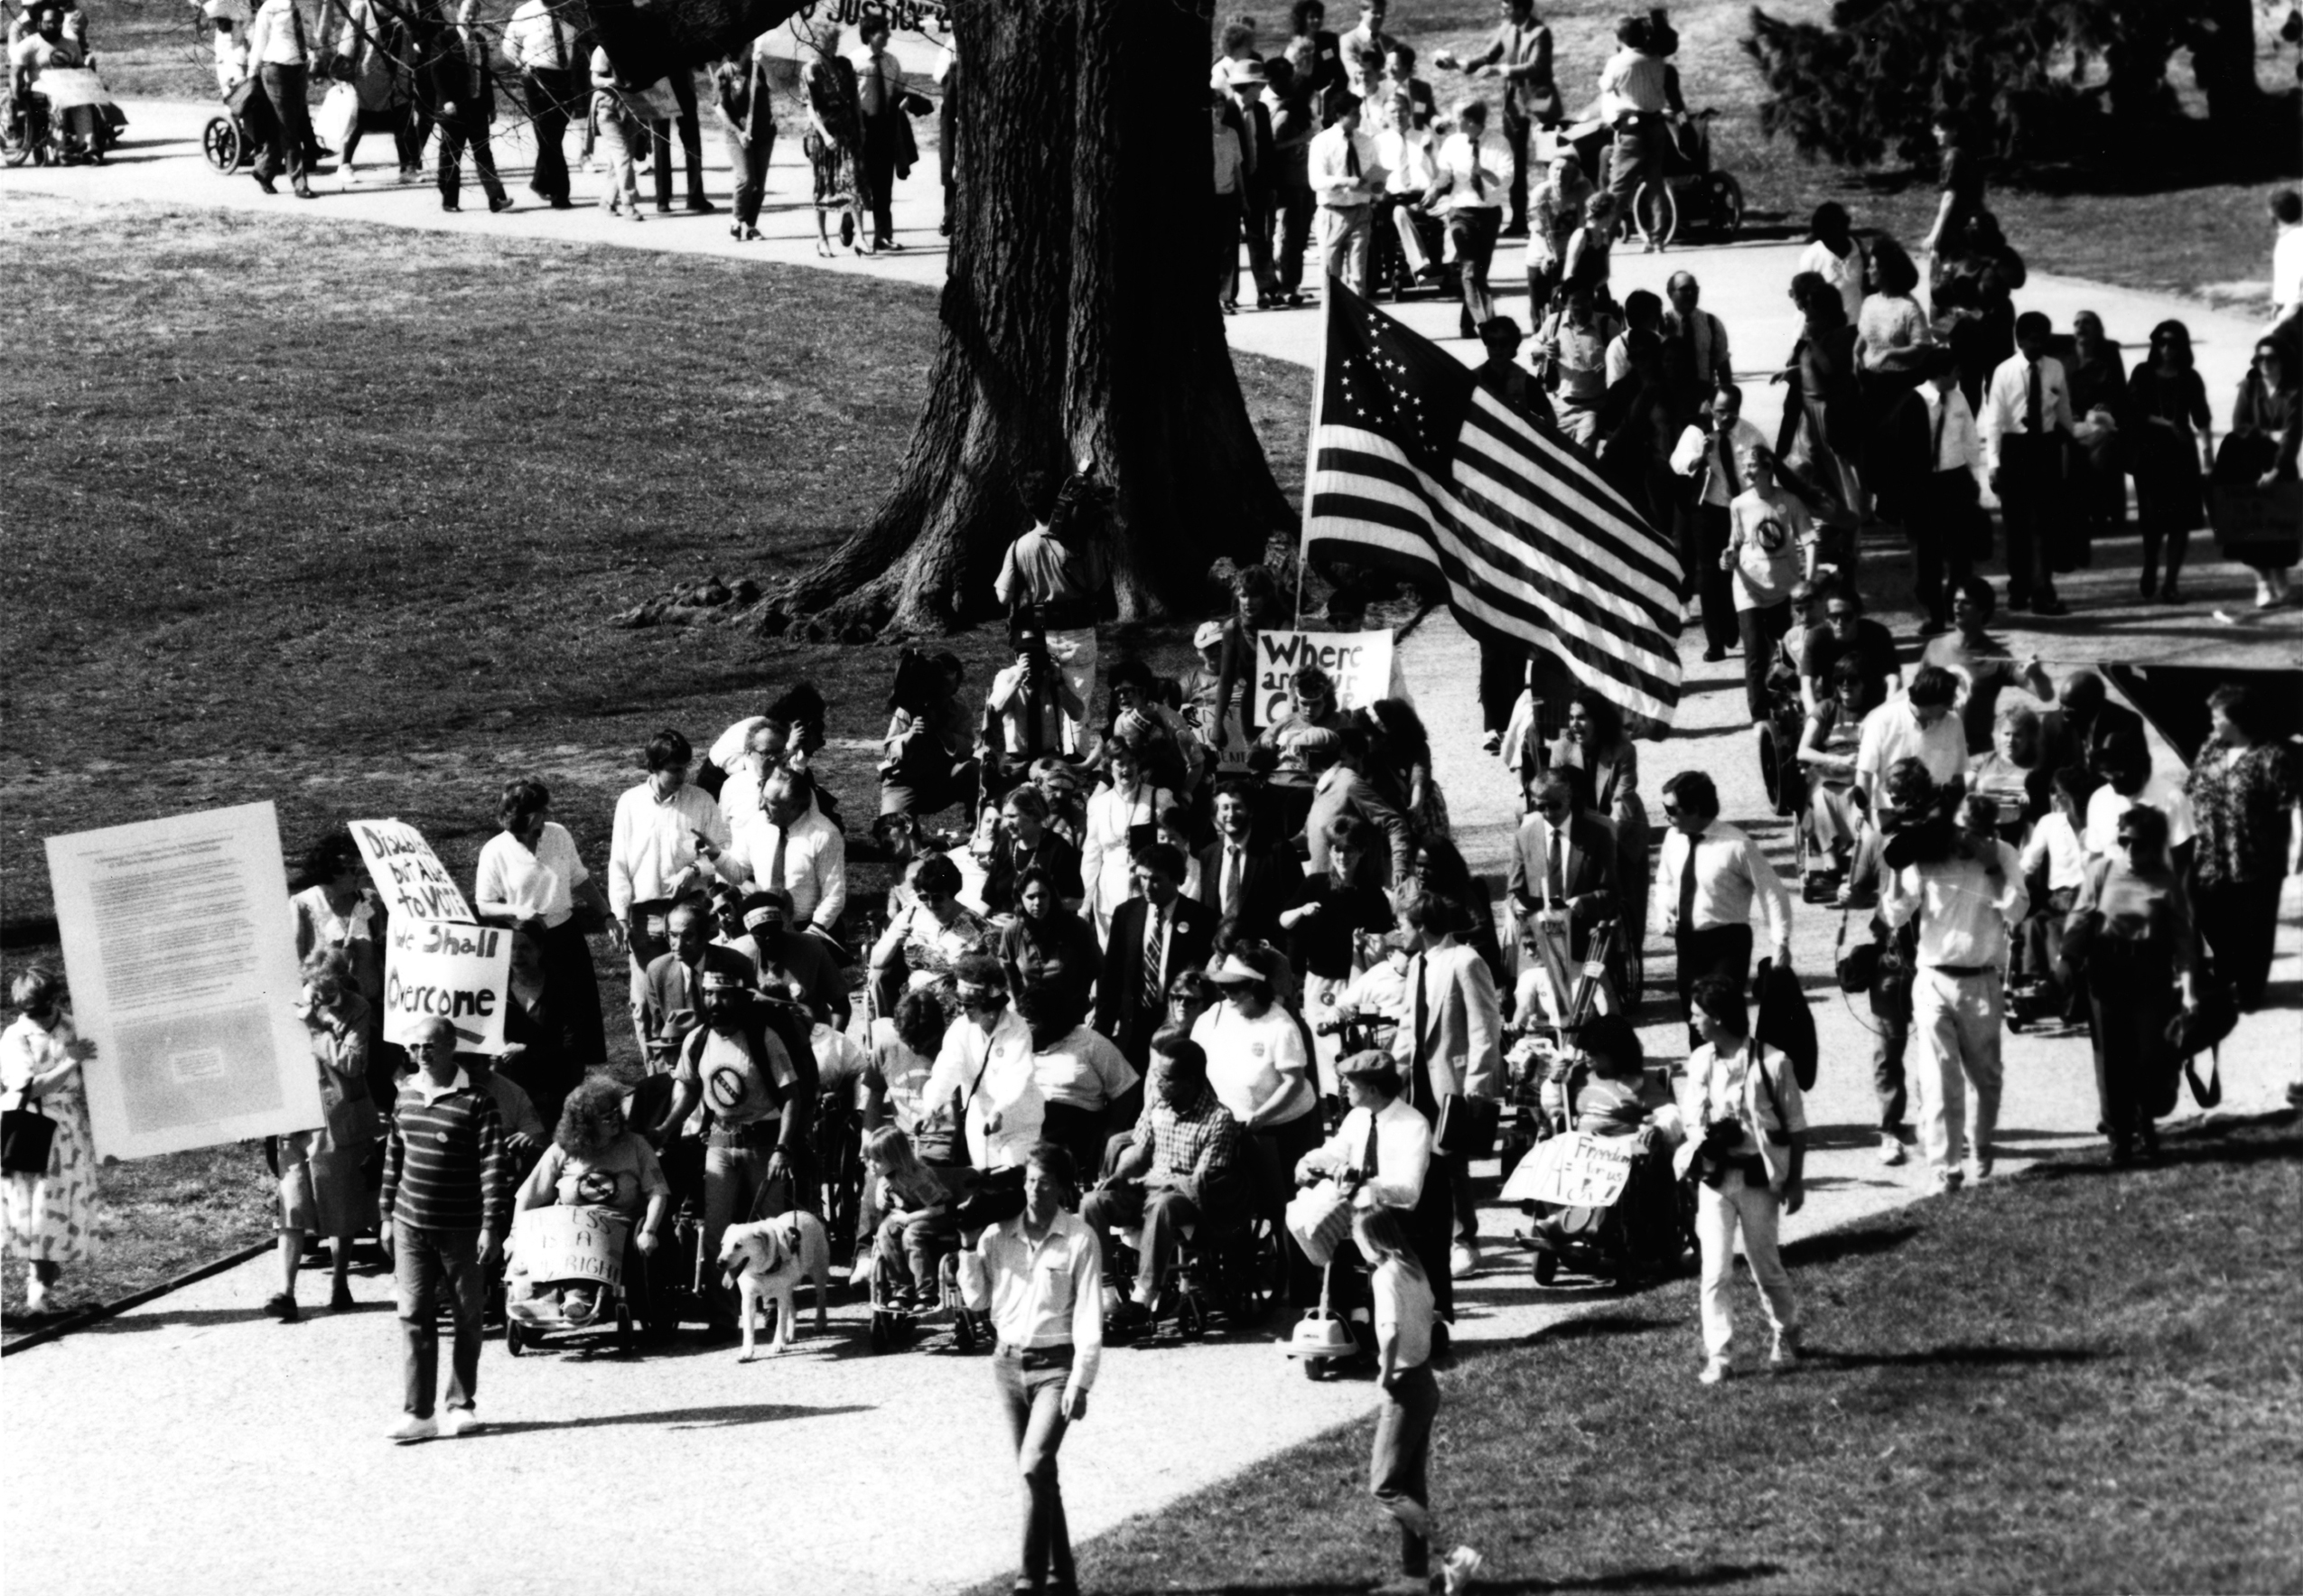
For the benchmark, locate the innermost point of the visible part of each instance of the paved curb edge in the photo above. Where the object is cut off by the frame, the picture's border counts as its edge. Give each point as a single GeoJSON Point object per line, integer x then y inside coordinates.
{"type": "Point", "coordinates": [88, 1316]}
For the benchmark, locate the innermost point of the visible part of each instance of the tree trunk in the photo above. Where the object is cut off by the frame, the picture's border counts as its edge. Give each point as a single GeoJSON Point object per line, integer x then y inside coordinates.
{"type": "Point", "coordinates": [2222, 62]}
{"type": "Point", "coordinates": [1079, 320]}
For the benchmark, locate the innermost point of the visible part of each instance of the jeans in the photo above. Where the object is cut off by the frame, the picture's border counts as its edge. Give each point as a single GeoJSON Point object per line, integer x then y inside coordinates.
{"type": "Point", "coordinates": [1032, 1393]}
{"type": "Point", "coordinates": [747, 162]}
{"type": "Point", "coordinates": [1721, 1211]}
{"type": "Point", "coordinates": [732, 1180]}
{"type": "Point", "coordinates": [1887, 1068]}
{"type": "Point", "coordinates": [1761, 631]}
{"type": "Point", "coordinates": [1957, 1019]}
{"type": "Point", "coordinates": [1638, 155]}
{"type": "Point", "coordinates": [424, 1262]}
{"type": "Point", "coordinates": [1399, 1464]}
{"type": "Point", "coordinates": [621, 142]}
{"type": "Point", "coordinates": [285, 87]}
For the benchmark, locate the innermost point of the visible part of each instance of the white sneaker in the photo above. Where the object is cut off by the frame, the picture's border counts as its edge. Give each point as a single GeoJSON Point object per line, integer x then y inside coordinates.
{"type": "Point", "coordinates": [461, 1420]}
{"type": "Point", "coordinates": [1463, 1259]}
{"type": "Point", "coordinates": [413, 1429]}
{"type": "Point", "coordinates": [1890, 1147]}
{"type": "Point", "coordinates": [1457, 1571]}
{"type": "Point", "coordinates": [1785, 1353]}
{"type": "Point", "coordinates": [1714, 1371]}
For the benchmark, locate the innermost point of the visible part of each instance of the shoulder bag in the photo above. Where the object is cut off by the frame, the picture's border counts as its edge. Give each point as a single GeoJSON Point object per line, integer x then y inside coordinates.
{"type": "Point", "coordinates": [27, 1137]}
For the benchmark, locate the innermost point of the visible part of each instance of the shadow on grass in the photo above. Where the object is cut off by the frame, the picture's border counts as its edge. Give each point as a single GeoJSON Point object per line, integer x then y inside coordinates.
{"type": "Point", "coordinates": [2176, 1151]}
{"type": "Point", "coordinates": [1835, 1244]}
{"type": "Point", "coordinates": [1954, 1356]}
{"type": "Point", "coordinates": [1675, 1577]}
{"type": "Point", "coordinates": [728, 1417]}
{"type": "Point", "coordinates": [1589, 1327]}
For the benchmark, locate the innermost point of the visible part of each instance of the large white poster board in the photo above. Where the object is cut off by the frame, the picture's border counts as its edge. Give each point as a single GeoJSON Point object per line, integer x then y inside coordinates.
{"type": "Point", "coordinates": [181, 950]}
{"type": "Point", "coordinates": [409, 876]}
{"type": "Point", "coordinates": [1360, 662]}
{"type": "Point", "coordinates": [436, 970]}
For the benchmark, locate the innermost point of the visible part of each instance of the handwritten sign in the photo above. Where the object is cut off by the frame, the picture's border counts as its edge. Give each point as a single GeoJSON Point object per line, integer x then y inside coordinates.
{"type": "Point", "coordinates": [1358, 662]}
{"type": "Point", "coordinates": [438, 970]}
{"type": "Point", "coordinates": [415, 884]}
{"type": "Point", "coordinates": [901, 15]}
{"type": "Point", "coordinates": [1575, 1171]}
{"type": "Point", "coordinates": [570, 1243]}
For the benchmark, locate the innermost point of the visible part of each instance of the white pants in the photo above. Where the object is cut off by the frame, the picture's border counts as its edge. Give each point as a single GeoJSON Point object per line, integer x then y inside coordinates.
{"type": "Point", "coordinates": [1956, 1020]}
{"type": "Point", "coordinates": [1345, 235]}
{"type": "Point", "coordinates": [1321, 994]}
{"type": "Point", "coordinates": [1074, 654]}
{"type": "Point", "coordinates": [1719, 1212]}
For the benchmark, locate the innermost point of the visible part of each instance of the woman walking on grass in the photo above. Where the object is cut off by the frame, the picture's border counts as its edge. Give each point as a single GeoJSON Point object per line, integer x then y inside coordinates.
{"type": "Point", "coordinates": [50, 1213]}
{"type": "Point", "coordinates": [1398, 1467]}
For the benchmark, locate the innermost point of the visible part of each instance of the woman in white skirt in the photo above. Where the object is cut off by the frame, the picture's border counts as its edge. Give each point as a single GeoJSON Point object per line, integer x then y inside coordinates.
{"type": "Point", "coordinates": [50, 1215]}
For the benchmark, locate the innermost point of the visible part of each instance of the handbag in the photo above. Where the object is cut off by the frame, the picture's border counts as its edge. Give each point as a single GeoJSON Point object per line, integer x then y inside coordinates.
{"type": "Point", "coordinates": [1319, 1217]}
{"type": "Point", "coordinates": [27, 1137]}
{"type": "Point", "coordinates": [1467, 1127]}
{"type": "Point", "coordinates": [2196, 1030]}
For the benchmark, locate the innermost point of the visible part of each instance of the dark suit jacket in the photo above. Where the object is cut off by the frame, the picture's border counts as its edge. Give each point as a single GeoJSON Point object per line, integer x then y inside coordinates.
{"type": "Point", "coordinates": [1269, 881]}
{"type": "Point", "coordinates": [1344, 791]}
{"type": "Point", "coordinates": [671, 987]}
{"type": "Point", "coordinates": [1589, 889]}
{"type": "Point", "coordinates": [1054, 854]}
{"type": "Point", "coordinates": [1120, 1011]}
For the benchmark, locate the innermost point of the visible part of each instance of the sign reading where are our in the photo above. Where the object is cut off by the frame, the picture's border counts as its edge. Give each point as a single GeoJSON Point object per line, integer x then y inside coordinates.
{"type": "Point", "coordinates": [408, 875]}
{"type": "Point", "coordinates": [1358, 662]}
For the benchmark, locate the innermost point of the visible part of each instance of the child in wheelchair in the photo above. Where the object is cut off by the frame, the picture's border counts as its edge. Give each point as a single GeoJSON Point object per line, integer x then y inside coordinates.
{"type": "Point", "coordinates": [917, 1229]}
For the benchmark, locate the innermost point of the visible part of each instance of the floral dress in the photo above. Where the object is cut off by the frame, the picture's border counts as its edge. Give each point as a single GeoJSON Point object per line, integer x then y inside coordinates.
{"type": "Point", "coordinates": [835, 141]}
{"type": "Point", "coordinates": [50, 1217]}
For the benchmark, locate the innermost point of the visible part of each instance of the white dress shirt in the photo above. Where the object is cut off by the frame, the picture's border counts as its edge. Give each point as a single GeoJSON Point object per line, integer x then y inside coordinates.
{"type": "Point", "coordinates": [1402, 1154]}
{"type": "Point", "coordinates": [654, 840]}
{"type": "Point", "coordinates": [1630, 83]}
{"type": "Point", "coordinates": [2286, 273]}
{"type": "Point", "coordinates": [1951, 423]}
{"type": "Point", "coordinates": [1459, 162]}
{"type": "Point", "coordinates": [879, 81]}
{"type": "Point", "coordinates": [1708, 453]}
{"type": "Point", "coordinates": [1731, 875]}
{"type": "Point", "coordinates": [278, 37]}
{"type": "Point", "coordinates": [2007, 399]}
{"type": "Point", "coordinates": [1405, 157]}
{"type": "Point", "coordinates": [1892, 731]}
{"type": "Point", "coordinates": [1334, 187]}
{"type": "Point", "coordinates": [2158, 792]}
{"type": "Point", "coordinates": [2056, 846]}
{"type": "Point", "coordinates": [538, 39]}
{"type": "Point", "coordinates": [994, 1072]}
{"type": "Point", "coordinates": [816, 863]}
{"type": "Point", "coordinates": [1048, 1295]}
{"type": "Point", "coordinates": [1963, 914]}
{"type": "Point", "coordinates": [538, 885]}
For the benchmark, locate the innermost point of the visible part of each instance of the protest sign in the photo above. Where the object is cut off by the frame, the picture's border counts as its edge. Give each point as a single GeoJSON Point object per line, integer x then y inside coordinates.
{"type": "Point", "coordinates": [179, 947]}
{"type": "Point", "coordinates": [1360, 662]}
{"type": "Point", "coordinates": [571, 1241]}
{"type": "Point", "coordinates": [438, 970]}
{"type": "Point", "coordinates": [1574, 1170]}
{"type": "Point", "coordinates": [415, 884]}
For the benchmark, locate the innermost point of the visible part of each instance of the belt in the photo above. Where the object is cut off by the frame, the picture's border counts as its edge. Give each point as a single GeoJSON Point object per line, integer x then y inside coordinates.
{"type": "Point", "coordinates": [1067, 615]}
{"type": "Point", "coordinates": [1962, 970]}
{"type": "Point", "coordinates": [1032, 1357]}
{"type": "Point", "coordinates": [759, 1132]}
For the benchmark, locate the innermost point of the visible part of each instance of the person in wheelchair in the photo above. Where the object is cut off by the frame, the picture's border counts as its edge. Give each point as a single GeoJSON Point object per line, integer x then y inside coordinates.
{"type": "Point", "coordinates": [1838, 810]}
{"type": "Point", "coordinates": [1176, 1170]}
{"type": "Point", "coordinates": [1382, 1148]}
{"type": "Point", "coordinates": [1607, 1091]}
{"type": "Point", "coordinates": [596, 1160]}
{"type": "Point", "coordinates": [918, 1226]}
{"type": "Point", "coordinates": [45, 48]}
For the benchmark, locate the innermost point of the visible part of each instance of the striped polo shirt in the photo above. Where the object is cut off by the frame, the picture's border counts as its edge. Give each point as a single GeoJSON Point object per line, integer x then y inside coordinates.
{"type": "Point", "coordinates": [445, 1168]}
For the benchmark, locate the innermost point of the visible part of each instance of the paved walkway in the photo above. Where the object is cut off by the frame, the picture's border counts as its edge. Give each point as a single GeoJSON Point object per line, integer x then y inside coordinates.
{"type": "Point", "coordinates": [193, 1446]}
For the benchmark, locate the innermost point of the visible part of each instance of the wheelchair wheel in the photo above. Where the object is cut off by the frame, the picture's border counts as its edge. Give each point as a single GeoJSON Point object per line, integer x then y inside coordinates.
{"type": "Point", "coordinates": [1655, 212]}
{"type": "Point", "coordinates": [880, 1335]}
{"type": "Point", "coordinates": [963, 1330]}
{"type": "Point", "coordinates": [515, 1337]}
{"type": "Point", "coordinates": [627, 1336]}
{"type": "Point", "coordinates": [1724, 200]}
{"type": "Point", "coordinates": [1192, 1317]}
{"type": "Point", "coordinates": [223, 144]}
{"type": "Point", "coordinates": [16, 141]}
{"type": "Point", "coordinates": [1547, 1268]}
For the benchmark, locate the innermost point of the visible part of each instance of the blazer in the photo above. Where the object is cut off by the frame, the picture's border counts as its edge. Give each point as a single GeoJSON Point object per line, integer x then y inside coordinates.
{"type": "Point", "coordinates": [1523, 58]}
{"type": "Point", "coordinates": [670, 987]}
{"type": "Point", "coordinates": [1452, 1041]}
{"type": "Point", "coordinates": [1342, 790]}
{"type": "Point", "coordinates": [1269, 881]}
{"type": "Point", "coordinates": [1121, 1013]}
{"type": "Point", "coordinates": [1587, 873]}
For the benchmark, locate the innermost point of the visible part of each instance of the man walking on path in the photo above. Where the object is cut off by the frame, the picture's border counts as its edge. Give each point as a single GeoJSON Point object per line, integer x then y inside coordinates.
{"type": "Point", "coordinates": [1710, 873]}
{"type": "Point", "coordinates": [541, 43]}
{"type": "Point", "coordinates": [2027, 429]}
{"type": "Point", "coordinates": [446, 1205]}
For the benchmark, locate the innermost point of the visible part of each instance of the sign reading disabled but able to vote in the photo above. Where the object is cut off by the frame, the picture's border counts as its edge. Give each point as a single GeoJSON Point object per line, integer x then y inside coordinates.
{"type": "Point", "coordinates": [181, 949]}
{"type": "Point", "coordinates": [439, 970]}
{"type": "Point", "coordinates": [1360, 662]}
{"type": "Point", "coordinates": [1576, 1171]}
{"type": "Point", "coordinates": [409, 875]}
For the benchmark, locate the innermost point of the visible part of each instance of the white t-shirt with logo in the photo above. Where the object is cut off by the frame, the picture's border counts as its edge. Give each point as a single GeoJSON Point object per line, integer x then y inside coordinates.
{"type": "Point", "coordinates": [1249, 1061]}
{"type": "Point", "coordinates": [1770, 538]}
{"type": "Point", "coordinates": [739, 1087]}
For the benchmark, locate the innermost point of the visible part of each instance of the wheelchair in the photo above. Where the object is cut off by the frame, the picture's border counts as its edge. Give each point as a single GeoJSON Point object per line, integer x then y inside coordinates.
{"type": "Point", "coordinates": [610, 1306]}
{"type": "Point", "coordinates": [1691, 194]}
{"type": "Point", "coordinates": [896, 1323]}
{"type": "Point", "coordinates": [838, 1133]}
{"type": "Point", "coordinates": [31, 132]}
{"type": "Point", "coordinates": [1642, 1232]}
{"type": "Point", "coordinates": [1389, 274]}
{"type": "Point", "coordinates": [226, 145]}
{"type": "Point", "coordinates": [1236, 1269]}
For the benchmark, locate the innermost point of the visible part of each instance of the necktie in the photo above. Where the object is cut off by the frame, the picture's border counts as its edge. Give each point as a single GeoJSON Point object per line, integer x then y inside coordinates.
{"type": "Point", "coordinates": [559, 44]}
{"type": "Point", "coordinates": [2032, 408]}
{"type": "Point", "coordinates": [1943, 414]}
{"type": "Point", "coordinates": [775, 861]}
{"type": "Point", "coordinates": [1372, 1156]}
{"type": "Point", "coordinates": [1154, 997]}
{"type": "Point", "coordinates": [1554, 871]}
{"type": "Point", "coordinates": [1351, 156]}
{"type": "Point", "coordinates": [1727, 465]}
{"type": "Point", "coordinates": [296, 25]}
{"type": "Point", "coordinates": [879, 84]}
{"type": "Point", "coordinates": [1232, 872]}
{"type": "Point", "coordinates": [1479, 185]}
{"type": "Point", "coordinates": [1687, 888]}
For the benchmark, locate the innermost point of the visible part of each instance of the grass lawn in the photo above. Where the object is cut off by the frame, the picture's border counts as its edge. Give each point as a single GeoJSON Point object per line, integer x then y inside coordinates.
{"type": "Point", "coordinates": [336, 515]}
{"type": "Point", "coordinates": [2074, 1380]}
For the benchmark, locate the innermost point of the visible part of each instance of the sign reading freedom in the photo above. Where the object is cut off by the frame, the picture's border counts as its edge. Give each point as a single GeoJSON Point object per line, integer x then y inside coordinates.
{"type": "Point", "coordinates": [436, 970]}
{"type": "Point", "coordinates": [415, 884]}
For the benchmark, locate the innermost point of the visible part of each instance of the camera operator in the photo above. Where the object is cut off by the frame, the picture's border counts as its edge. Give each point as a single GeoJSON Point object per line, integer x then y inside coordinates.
{"type": "Point", "coordinates": [1918, 725]}
{"type": "Point", "coordinates": [1036, 708]}
{"type": "Point", "coordinates": [1964, 890]}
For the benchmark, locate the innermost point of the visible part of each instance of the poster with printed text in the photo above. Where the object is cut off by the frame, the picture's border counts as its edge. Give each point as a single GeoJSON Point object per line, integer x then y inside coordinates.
{"type": "Point", "coordinates": [180, 949]}
{"type": "Point", "coordinates": [413, 882]}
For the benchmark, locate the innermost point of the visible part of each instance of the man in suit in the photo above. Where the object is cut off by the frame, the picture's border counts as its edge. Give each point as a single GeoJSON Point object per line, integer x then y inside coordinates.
{"type": "Point", "coordinates": [1563, 862]}
{"type": "Point", "coordinates": [1240, 881]}
{"type": "Point", "coordinates": [1520, 53]}
{"type": "Point", "coordinates": [674, 1003]}
{"type": "Point", "coordinates": [880, 94]}
{"type": "Point", "coordinates": [2084, 720]}
{"type": "Point", "coordinates": [2027, 423]}
{"type": "Point", "coordinates": [1155, 936]}
{"type": "Point", "coordinates": [1449, 1046]}
{"type": "Point", "coordinates": [1338, 788]}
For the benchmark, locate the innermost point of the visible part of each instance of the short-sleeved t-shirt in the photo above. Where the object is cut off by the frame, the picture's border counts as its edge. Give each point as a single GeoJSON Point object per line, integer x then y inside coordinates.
{"type": "Point", "coordinates": [1082, 1070]}
{"type": "Point", "coordinates": [898, 1071]}
{"type": "Point", "coordinates": [1771, 532]}
{"type": "Point", "coordinates": [1248, 1060]}
{"type": "Point", "coordinates": [1873, 644]}
{"type": "Point", "coordinates": [1982, 677]}
{"type": "Point", "coordinates": [739, 1087]}
{"type": "Point", "coordinates": [623, 1178]}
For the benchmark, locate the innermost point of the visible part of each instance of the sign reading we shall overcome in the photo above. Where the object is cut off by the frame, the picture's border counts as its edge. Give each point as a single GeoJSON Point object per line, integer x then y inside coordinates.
{"type": "Point", "coordinates": [181, 950]}
{"type": "Point", "coordinates": [438, 970]}
{"type": "Point", "coordinates": [415, 884]}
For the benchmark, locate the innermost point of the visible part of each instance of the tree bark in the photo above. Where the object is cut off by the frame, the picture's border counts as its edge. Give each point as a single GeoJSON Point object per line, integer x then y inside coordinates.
{"type": "Point", "coordinates": [1079, 319]}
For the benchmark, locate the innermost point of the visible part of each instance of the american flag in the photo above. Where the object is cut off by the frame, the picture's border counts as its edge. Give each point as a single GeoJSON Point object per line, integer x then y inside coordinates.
{"type": "Point", "coordinates": [1415, 466]}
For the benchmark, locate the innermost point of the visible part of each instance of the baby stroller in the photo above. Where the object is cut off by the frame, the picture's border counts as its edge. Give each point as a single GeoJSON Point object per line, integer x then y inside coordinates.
{"type": "Point", "coordinates": [574, 1258]}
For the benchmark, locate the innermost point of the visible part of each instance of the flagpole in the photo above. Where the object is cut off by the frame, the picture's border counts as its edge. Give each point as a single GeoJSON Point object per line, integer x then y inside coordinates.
{"type": "Point", "coordinates": [1311, 443]}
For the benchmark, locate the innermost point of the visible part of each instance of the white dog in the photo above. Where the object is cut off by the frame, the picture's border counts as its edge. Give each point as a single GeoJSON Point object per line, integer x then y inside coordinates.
{"type": "Point", "coordinates": [766, 1262]}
